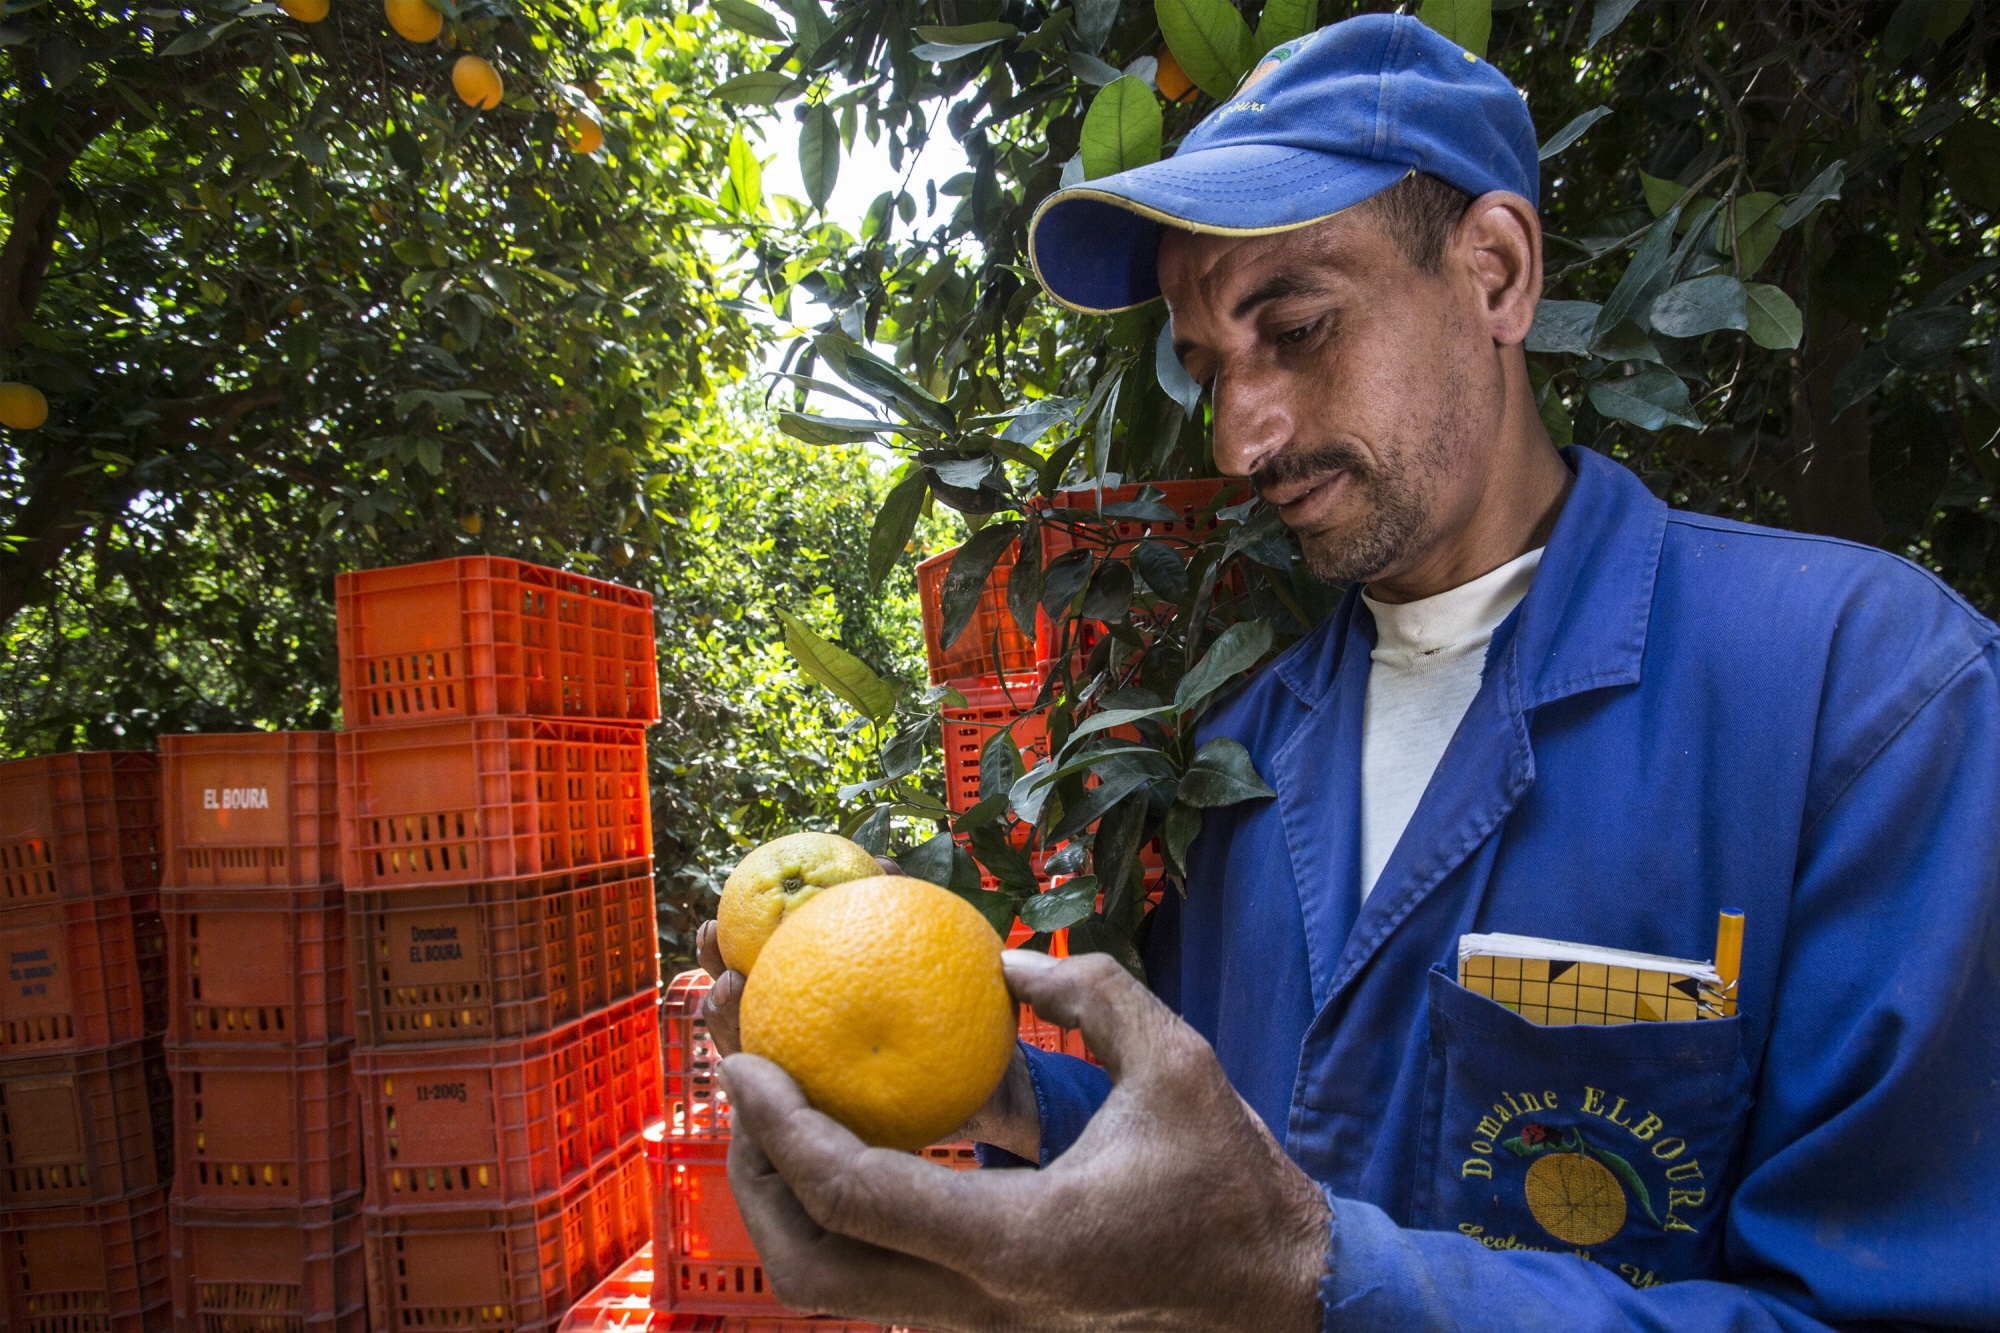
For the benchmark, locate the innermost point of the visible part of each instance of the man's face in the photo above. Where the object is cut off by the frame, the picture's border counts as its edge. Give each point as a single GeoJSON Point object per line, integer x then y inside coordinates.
{"type": "Point", "coordinates": [1354, 390]}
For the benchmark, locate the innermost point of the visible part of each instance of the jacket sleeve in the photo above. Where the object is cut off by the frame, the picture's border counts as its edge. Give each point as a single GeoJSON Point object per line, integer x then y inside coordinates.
{"type": "Point", "coordinates": [1870, 1187]}
{"type": "Point", "coordinates": [1068, 1092]}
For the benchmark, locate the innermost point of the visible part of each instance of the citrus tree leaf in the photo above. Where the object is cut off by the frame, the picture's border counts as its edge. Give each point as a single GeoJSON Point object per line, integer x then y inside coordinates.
{"type": "Point", "coordinates": [1211, 41]}
{"type": "Point", "coordinates": [1237, 648]}
{"type": "Point", "coordinates": [752, 19]}
{"type": "Point", "coordinates": [839, 670]}
{"type": "Point", "coordinates": [1571, 132]}
{"type": "Point", "coordinates": [1122, 128]}
{"type": "Point", "coordinates": [1173, 376]}
{"type": "Point", "coordinates": [1064, 905]}
{"type": "Point", "coordinates": [1824, 186]}
{"type": "Point", "coordinates": [1925, 339]}
{"type": "Point", "coordinates": [1563, 326]}
{"type": "Point", "coordinates": [1750, 230]}
{"type": "Point", "coordinates": [894, 523]}
{"type": "Point", "coordinates": [811, 428]}
{"type": "Point", "coordinates": [743, 186]}
{"type": "Point", "coordinates": [1700, 305]}
{"type": "Point", "coordinates": [1860, 377]}
{"type": "Point", "coordinates": [819, 153]}
{"type": "Point", "coordinates": [966, 580]}
{"type": "Point", "coordinates": [966, 34]}
{"type": "Point", "coordinates": [1283, 20]}
{"type": "Point", "coordinates": [1775, 320]}
{"type": "Point", "coordinates": [759, 88]}
{"type": "Point", "coordinates": [1467, 22]}
{"type": "Point", "coordinates": [1222, 774]}
{"type": "Point", "coordinates": [1649, 400]}
{"type": "Point", "coordinates": [1606, 17]}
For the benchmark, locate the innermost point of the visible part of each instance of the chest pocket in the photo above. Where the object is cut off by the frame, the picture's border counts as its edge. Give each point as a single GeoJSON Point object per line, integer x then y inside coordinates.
{"type": "Point", "coordinates": [1611, 1143]}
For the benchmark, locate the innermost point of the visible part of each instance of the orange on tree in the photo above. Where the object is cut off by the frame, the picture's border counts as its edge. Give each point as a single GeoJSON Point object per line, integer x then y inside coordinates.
{"type": "Point", "coordinates": [478, 83]}
{"type": "Point", "coordinates": [884, 1000]}
{"type": "Point", "coordinates": [581, 133]}
{"type": "Point", "coordinates": [1172, 80]}
{"type": "Point", "coordinates": [22, 407]}
{"type": "Point", "coordinates": [775, 879]}
{"type": "Point", "coordinates": [305, 11]}
{"type": "Point", "coordinates": [413, 20]}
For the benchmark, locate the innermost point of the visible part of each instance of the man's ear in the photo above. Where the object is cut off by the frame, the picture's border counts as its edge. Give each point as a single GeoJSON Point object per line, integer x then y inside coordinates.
{"type": "Point", "coordinates": [1500, 237]}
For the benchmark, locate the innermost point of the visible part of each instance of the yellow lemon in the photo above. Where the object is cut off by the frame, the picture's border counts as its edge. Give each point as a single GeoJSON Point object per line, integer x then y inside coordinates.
{"type": "Point", "coordinates": [477, 82]}
{"type": "Point", "coordinates": [776, 878]}
{"type": "Point", "coordinates": [23, 408]}
{"type": "Point", "coordinates": [884, 999]}
{"type": "Point", "coordinates": [413, 19]}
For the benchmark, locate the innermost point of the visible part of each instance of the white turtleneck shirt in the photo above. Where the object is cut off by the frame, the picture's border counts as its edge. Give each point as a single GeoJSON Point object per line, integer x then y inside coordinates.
{"type": "Point", "coordinates": [1428, 659]}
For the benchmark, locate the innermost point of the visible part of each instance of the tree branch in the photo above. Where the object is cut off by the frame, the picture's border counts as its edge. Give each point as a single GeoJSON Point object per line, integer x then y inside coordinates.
{"type": "Point", "coordinates": [37, 210]}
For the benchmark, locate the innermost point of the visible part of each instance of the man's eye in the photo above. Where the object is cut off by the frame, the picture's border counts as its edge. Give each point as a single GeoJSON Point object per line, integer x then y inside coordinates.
{"type": "Point", "coordinates": [1298, 335]}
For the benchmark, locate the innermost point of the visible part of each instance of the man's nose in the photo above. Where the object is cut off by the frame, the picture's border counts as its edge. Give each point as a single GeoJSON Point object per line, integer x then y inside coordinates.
{"type": "Point", "coordinates": [1253, 421]}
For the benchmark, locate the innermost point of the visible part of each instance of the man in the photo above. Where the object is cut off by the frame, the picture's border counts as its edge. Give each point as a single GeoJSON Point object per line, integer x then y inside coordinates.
{"type": "Point", "coordinates": [1549, 707]}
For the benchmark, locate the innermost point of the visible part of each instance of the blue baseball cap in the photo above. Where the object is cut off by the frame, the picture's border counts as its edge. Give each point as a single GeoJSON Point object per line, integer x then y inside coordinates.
{"type": "Point", "coordinates": [1321, 123]}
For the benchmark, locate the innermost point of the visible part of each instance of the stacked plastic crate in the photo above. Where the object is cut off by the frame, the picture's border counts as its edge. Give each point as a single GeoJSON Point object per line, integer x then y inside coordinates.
{"type": "Point", "coordinates": [266, 1223]}
{"type": "Point", "coordinates": [497, 854]}
{"type": "Point", "coordinates": [999, 669]}
{"type": "Point", "coordinates": [86, 1146]}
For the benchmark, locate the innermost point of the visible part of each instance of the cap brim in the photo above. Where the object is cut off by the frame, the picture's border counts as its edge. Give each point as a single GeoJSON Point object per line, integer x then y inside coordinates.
{"type": "Point", "coordinates": [1095, 247]}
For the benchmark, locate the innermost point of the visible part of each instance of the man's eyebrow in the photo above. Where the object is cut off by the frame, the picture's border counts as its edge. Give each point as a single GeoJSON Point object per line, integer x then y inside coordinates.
{"type": "Point", "coordinates": [1275, 288]}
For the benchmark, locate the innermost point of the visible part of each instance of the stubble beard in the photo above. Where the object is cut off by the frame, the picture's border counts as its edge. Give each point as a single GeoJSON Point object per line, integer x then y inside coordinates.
{"type": "Point", "coordinates": [1392, 496]}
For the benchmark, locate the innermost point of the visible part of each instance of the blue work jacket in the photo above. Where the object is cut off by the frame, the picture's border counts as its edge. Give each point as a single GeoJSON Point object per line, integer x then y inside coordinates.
{"type": "Point", "coordinates": [1685, 714]}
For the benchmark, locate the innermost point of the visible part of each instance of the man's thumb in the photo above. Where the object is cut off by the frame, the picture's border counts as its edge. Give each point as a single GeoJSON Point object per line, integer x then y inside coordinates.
{"type": "Point", "coordinates": [1123, 1023]}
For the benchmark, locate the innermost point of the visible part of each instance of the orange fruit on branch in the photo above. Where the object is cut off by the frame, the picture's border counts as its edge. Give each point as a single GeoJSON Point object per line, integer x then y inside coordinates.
{"type": "Point", "coordinates": [1173, 81]}
{"type": "Point", "coordinates": [413, 20]}
{"type": "Point", "coordinates": [775, 879]}
{"type": "Point", "coordinates": [477, 83]}
{"type": "Point", "coordinates": [305, 11]}
{"type": "Point", "coordinates": [22, 407]}
{"type": "Point", "coordinates": [883, 998]}
{"type": "Point", "coordinates": [581, 133]}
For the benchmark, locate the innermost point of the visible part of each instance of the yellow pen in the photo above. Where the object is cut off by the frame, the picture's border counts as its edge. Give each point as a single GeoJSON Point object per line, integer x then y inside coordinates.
{"type": "Point", "coordinates": [1728, 957]}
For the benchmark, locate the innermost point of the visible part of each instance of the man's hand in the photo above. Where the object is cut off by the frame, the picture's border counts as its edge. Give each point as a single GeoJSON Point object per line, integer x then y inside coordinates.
{"type": "Point", "coordinates": [1174, 1210]}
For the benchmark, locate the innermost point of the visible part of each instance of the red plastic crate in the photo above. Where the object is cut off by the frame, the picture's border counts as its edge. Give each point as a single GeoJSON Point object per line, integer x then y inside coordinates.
{"type": "Point", "coordinates": [257, 967]}
{"type": "Point", "coordinates": [505, 1270]}
{"type": "Point", "coordinates": [971, 655]}
{"type": "Point", "coordinates": [257, 809]}
{"type": "Point", "coordinates": [988, 708]}
{"type": "Point", "coordinates": [481, 636]}
{"type": "Point", "coordinates": [502, 1123]}
{"type": "Point", "coordinates": [487, 799]}
{"type": "Point", "coordinates": [85, 1127]}
{"type": "Point", "coordinates": [623, 1303]}
{"type": "Point", "coordinates": [78, 825]}
{"type": "Point", "coordinates": [96, 1268]}
{"type": "Point", "coordinates": [82, 973]}
{"type": "Point", "coordinates": [511, 958]}
{"type": "Point", "coordinates": [256, 1127]}
{"type": "Point", "coordinates": [1191, 498]}
{"type": "Point", "coordinates": [269, 1270]}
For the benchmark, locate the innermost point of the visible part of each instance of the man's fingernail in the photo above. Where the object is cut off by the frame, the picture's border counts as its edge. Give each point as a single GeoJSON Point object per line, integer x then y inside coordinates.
{"type": "Point", "coordinates": [1026, 960]}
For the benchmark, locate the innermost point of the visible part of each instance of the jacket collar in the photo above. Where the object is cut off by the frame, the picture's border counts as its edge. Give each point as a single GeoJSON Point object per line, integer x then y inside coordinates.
{"type": "Point", "coordinates": [1583, 623]}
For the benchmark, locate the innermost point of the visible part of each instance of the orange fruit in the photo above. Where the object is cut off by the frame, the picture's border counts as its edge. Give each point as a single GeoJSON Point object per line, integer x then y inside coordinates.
{"type": "Point", "coordinates": [776, 878]}
{"type": "Point", "coordinates": [1172, 80]}
{"type": "Point", "coordinates": [305, 11]}
{"type": "Point", "coordinates": [883, 998]}
{"type": "Point", "coordinates": [581, 133]}
{"type": "Point", "coordinates": [413, 20]}
{"type": "Point", "coordinates": [1575, 1198]}
{"type": "Point", "coordinates": [477, 82]}
{"type": "Point", "coordinates": [22, 406]}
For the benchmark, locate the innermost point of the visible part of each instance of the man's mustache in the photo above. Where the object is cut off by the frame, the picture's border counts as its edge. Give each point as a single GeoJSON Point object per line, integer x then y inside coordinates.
{"type": "Point", "coordinates": [1306, 462]}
